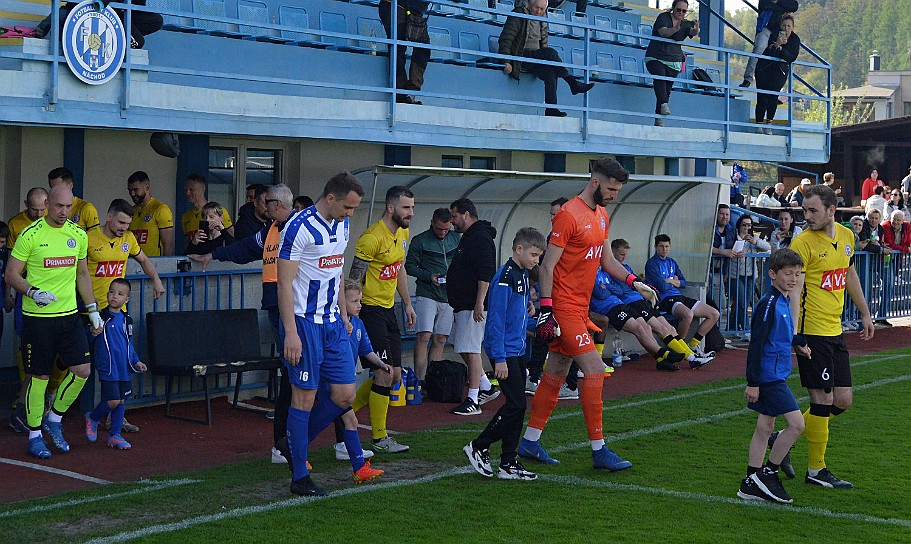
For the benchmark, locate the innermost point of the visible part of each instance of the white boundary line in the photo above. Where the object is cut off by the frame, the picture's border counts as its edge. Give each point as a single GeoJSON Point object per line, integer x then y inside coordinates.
{"type": "Point", "coordinates": [296, 501]}
{"type": "Point", "coordinates": [52, 470]}
{"type": "Point", "coordinates": [686, 495]}
{"type": "Point", "coordinates": [706, 419]}
{"type": "Point", "coordinates": [146, 486]}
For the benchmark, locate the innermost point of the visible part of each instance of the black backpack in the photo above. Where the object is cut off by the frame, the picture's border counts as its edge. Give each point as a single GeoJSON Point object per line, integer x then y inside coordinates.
{"type": "Point", "coordinates": [445, 381]}
{"type": "Point", "coordinates": [700, 74]}
{"type": "Point", "coordinates": [714, 341]}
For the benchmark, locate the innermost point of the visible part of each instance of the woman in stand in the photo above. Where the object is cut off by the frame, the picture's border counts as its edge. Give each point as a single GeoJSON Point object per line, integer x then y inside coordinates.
{"type": "Point", "coordinates": [786, 231]}
{"type": "Point", "coordinates": [742, 272]}
{"type": "Point", "coordinates": [771, 75]}
{"type": "Point", "coordinates": [666, 59]}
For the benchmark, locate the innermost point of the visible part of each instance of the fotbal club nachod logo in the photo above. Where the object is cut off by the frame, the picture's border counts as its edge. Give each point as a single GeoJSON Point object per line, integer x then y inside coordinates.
{"type": "Point", "coordinates": [94, 43]}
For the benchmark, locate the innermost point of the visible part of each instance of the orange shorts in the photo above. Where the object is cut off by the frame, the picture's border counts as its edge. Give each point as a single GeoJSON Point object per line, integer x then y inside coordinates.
{"type": "Point", "coordinates": [574, 339]}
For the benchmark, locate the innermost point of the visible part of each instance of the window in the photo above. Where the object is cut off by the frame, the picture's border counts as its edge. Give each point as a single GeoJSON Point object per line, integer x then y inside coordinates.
{"type": "Point", "coordinates": [222, 176]}
{"type": "Point", "coordinates": [452, 161]}
{"type": "Point", "coordinates": [263, 166]}
{"type": "Point", "coordinates": [907, 108]}
{"type": "Point", "coordinates": [483, 163]}
{"type": "Point", "coordinates": [232, 168]}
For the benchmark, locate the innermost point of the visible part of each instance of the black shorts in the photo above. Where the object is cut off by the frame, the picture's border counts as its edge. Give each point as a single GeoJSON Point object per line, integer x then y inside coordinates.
{"type": "Point", "coordinates": [619, 315]}
{"type": "Point", "coordinates": [667, 305]}
{"type": "Point", "coordinates": [383, 329]}
{"type": "Point", "coordinates": [642, 308]}
{"type": "Point", "coordinates": [116, 390]}
{"type": "Point", "coordinates": [828, 366]}
{"type": "Point", "coordinates": [43, 338]}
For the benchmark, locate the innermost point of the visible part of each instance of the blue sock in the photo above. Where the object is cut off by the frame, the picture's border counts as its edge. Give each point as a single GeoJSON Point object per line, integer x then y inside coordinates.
{"type": "Point", "coordinates": [100, 413]}
{"type": "Point", "coordinates": [298, 421]}
{"type": "Point", "coordinates": [322, 415]}
{"type": "Point", "coordinates": [117, 419]}
{"type": "Point", "coordinates": [355, 450]}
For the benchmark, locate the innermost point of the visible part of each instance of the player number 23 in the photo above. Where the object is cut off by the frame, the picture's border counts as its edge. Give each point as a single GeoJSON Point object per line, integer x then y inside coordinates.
{"type": "Point", "coordinates": [584, 339]}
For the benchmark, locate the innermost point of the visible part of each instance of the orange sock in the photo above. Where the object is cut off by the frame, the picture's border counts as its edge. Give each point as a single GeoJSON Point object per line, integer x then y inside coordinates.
{"type": "Point", "coordinates": [592, 404]}
{"type": "Point", "coordinates": [545, 400]}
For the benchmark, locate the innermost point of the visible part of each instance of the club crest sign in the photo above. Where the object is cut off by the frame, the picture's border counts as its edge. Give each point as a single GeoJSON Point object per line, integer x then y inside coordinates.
{"type": "Point", "coordinates": [93, 43]}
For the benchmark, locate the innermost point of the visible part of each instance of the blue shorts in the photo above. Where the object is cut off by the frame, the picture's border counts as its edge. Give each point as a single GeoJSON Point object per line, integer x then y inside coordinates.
{"type": "Point", "coordinates": [325, 354]}
{"type": "Point", "coordinates": [116, 390]}
{"type": "Point", "coordinates": [775, 399]}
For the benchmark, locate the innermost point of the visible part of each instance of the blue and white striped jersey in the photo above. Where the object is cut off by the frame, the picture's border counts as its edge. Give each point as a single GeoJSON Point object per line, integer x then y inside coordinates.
{"type": "Point", "coordinates": [319, 248]}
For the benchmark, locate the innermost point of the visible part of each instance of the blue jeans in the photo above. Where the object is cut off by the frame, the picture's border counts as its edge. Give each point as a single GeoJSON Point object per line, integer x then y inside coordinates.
{"type": "Point", "coordinates": [740, 293]}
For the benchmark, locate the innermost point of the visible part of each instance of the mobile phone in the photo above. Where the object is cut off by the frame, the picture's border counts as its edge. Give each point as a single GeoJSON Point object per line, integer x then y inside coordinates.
{"type": "Point", "coordinates": [441, 280]}
{"type": "Point", "coordinates": [686, 23]}
{"type": "Point", "coordinates": [782, 35]}
{"type": "Point", "coordinates": [204, 226]}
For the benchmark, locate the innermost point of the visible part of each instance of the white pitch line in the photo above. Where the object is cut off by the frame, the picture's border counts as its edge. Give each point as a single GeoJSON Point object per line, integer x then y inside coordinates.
{"type": "Point", "coordinates": [52, 470]}
{"type": "Point", "coordinates": [705, 419]}
{"type": "Point", "coordinates": [295, 501]}
{"type": "Point", "coordinates": [147, 486]}
{"type": "Point", "coordinates": [727, 500]}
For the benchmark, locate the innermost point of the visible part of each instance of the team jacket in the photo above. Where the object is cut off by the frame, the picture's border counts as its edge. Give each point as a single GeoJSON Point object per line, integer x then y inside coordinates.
{"type": "Point", "coordinates": [657, 270]}
{"type": "Point", "coordinates": [621, 290]}
{"type": "Point", "coordinates": [263, 245]}
{"type": "Point", "coordinates": [603, 299]}
{"type": "Point", "coordinates": [772, 329]}
{"type": "Point", "coordinates": [507, 305]}
{"type": "Point", "coordinates": [113, 354]}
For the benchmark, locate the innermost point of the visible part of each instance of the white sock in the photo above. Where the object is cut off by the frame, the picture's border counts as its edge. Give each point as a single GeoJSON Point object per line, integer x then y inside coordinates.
{"type": "Point", "coordinates": [532, 434]}
{"type": "Point", "coordinates": [473, 394]}
{"type": "Point", "coordinates": [33, 434]}
{"type": "Point", "coordinates": [485, 383]}
{"type": "Point", "coordinates": [54, 417]}
{"type": "Point", "coordinates": [813, 471]}
{"type": "Point", "coordinates": [597, 444]}
{"type": "Point", "coordinates": [691, 357]}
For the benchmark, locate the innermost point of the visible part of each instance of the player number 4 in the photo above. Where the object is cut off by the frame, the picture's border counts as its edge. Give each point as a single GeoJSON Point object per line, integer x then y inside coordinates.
{"type": "Point", "coordinates": [584, 339]}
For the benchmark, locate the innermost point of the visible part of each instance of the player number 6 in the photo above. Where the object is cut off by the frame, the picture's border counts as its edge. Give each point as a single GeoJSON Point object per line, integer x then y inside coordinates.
{"type": "Point", "coordinates": [825, 373]}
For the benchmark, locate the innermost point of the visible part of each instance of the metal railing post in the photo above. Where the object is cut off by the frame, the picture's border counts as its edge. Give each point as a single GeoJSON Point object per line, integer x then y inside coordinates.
{"type": "Point", "coordinates": [393, 57]}
{"type": "Point", "coordinates": [55, 53]}
{"type": "Point", "coordinates": [790, 110]}
{"type": "Point", "coordinates": [128, 54]}
{"type": "Point", "coordinates": [727, 101]}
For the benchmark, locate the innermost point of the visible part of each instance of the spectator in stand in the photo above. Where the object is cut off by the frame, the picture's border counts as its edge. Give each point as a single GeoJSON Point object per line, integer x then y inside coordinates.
{"type": "Point", "coordinates": [771, 75]}
{"type": "Point", "coordinates": [428, 261]}
{"type": "Point", "coordinates": [153, 222]}
{"type": "Point", "coordinates": [870, 240]}
{"type": "Point", "coordinates": [857, 225]}
{"type": "Point", "coordinates": [739, 177]}
{"type": "Point", "coordinates": [779, 196]}
{"type": "Point", "coordinates": [829, 179]}
{"type": "Point", "coordinates": [467, 282]}
{"type": "Point", "coordinates": [666, 59]}
{"type": "Point", "coordinates": [906, 185]}
{"type": "Point", "coordinates": [869, 185]}
{"type": "Point", "coordinates": [723, 240]}
{"type": "Point", "coordinates": [772, 197]}
{"type": "Point", "coordinates": [252, 216]}
{"type": "Point", "coordinates": [795, 197]}
{"type": "Point", "coordinates": [742, 273]}
{"type": "Point", "coordinates": [142, 23]}
{"type": "Point", "coordinates": [896, 237]}
{"type": "Point", "coordinates": [786, 231]}
{"type": "Point", "coordinates": [302, 202]}
{"type": "Point", "coordinates": [528, 38]}
{"type": "Point", "coordinates": [768, 24]}
{"type": "Point", "coordinates": [195, 191]}
{"type": "Point", "coordinates": [895, 202]}
{"type": "Point", "coordinates": [214, 235]}
{"type": "Point", "coordinates": [877, 199]}
{"type": "Point", "coordinates": [413, 80]}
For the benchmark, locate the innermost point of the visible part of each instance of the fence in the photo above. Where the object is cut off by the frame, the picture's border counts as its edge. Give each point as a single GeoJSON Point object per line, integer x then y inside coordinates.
{"type": "Point", "coordinates": [736, 285]}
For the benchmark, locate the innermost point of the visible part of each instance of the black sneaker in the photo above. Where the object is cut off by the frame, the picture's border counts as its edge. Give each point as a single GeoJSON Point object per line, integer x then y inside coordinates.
{"type": "Point", "coordinates": [554, 112]}
{"type": "Point", "coordinates": [467, 408]}
{"type": "Point", "coordinates": [826, 479]}
{"type": "Point", "coordinates": [785, 464]}
{"type": "Point", "coordinates": [750, 491]}
{"type": "Point", "coordinates": [767, 480]}
{"type": "Point", "coordinates": [667, 366]}
{"type": "Point", "coordinates": [306, 487]}
{"type": "Point", "coordinates": [515, 471]}
{"type": "Point", "coordinates": [487, 395]}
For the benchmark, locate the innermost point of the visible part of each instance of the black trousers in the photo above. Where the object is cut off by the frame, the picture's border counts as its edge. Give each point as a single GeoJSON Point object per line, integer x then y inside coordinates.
{"type": "Point", "coordinates": [767, 103]}
{"type": "Point", "coordinates": [546, 73]}
{"type": "Point", "coordinates": [536, 364]}
{"type": "Point", "coordinates": [414, 79]}
{"type": "Point", "coordinates": [662, 88]}
{"type": "Point", "coordinates": [506, 424]}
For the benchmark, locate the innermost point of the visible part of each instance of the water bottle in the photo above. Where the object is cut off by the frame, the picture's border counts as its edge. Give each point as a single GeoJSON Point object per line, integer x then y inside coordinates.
{"type": "Point", "coordinates": [617, 359]}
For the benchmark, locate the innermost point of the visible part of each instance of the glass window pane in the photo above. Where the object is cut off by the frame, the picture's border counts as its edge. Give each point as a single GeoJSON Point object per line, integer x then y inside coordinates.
{"type": "Point", "coordinates": [483, 163]}
{"type": "Point", "coordinates": [452, 161]}
{"type": "Point", "coordinates": [263, 166]}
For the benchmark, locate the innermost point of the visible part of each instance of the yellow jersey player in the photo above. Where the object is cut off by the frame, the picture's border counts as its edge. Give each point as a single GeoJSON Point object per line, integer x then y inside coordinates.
{"type": "Point", "coordinates": [827, 249]}
{"type": "Point", "coordinates": [153, 222]}
{"type": "Point", "coordinates": [35, 208]}
{"type": "Point", "coordinates": [195, 191]}
{"type": "Point", "coordinates": [83, 212]}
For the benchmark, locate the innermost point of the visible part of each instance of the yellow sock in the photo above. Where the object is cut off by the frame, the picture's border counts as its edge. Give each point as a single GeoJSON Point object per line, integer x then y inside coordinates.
{"type": "Point", "coordinates": [600, 348]}
{"type": "Point", "coordinates": [693, 342]}
{"type": "Point", "coordinates": [379, 407]}
{"type": "Point", "coordinates": [816, 430]}
{"type": "Point", "coordinates": [362, 397]}
{"type": "Point", "coordinates": [34, 402]}
{"type": "Point", "coordinates": [680, 347]}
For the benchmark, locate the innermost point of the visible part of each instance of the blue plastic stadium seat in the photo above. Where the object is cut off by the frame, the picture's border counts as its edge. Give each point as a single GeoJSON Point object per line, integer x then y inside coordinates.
{"type": "Point", "coordinates": [578, 58]}
{"type": "Point", "coordinates": [256, 13]}
{"type": "Point", "coordinates": [171, 22]}
{"type": "Point", "coordinates": [578, 18]}
{"type": "Point", "coordinates": [645, 30]}
{"type": "Point", "coordinates": [213, 8]}
{"type": "Point", "coordinates": [295, 17]}
{"type": "Point", "coordinates": [440, 37]}
{"type": "Point", "coordinates": [629, 64]}
{"type": "Point", "coordinates": [471, 42]}
{"type": "Point", "coordinates": [556, 28]}
{"type": "Point", "coordinates": [493, 45]}
{"type": "Point", "coordinates": [605, 36]}
{"type": "Point", "coordinates": [371, 28]}
{"type": "Point", "coordinates": [623, 24]}
{"type": "Point", "coordinates": [336, 22]}
{"type": "Point", "coordinates": [605, 61]}
{"type": "Point", "coordinates": [503, 10]}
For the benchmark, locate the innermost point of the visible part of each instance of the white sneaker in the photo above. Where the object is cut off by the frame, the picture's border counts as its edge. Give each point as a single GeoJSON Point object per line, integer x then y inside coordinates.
{"type": "Point", "coordinates": [530, 387]}
{"type": "Point", "coordinates": [341, 452]}
{"type": "Point", "coordinates": [568, 394]}
{"type": "Point", "coordinates": [278, 458]}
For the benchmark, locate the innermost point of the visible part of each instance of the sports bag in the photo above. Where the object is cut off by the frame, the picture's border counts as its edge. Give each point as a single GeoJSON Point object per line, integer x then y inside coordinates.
{"type": "Point", "coordinates": [445, 381]}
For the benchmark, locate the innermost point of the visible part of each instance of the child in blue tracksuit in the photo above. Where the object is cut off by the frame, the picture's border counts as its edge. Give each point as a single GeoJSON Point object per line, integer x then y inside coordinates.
{"type": "Point", "coordinates": [767, 391]}
{"type": "Point", "coordinates": [115, 361]}
{"type": "Point", "coordinates": [504, 342]}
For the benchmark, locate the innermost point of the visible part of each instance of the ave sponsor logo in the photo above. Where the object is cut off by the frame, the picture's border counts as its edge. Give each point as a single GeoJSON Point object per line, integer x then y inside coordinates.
{"type": "Point", "coordinates": [331, 261]}
{"type": "Point", "coordinates": [390, 271]}
{"type": "Point", "coordinates": [110, 269]}
{"type": "Point", "coordinates": [142, 236]}
{"type": "Point", "coordinates": [594, 253]}
{"type": "Point", "coordinates": [59, 262]}
{"type": "Point", "coordinates": [834, 280]}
